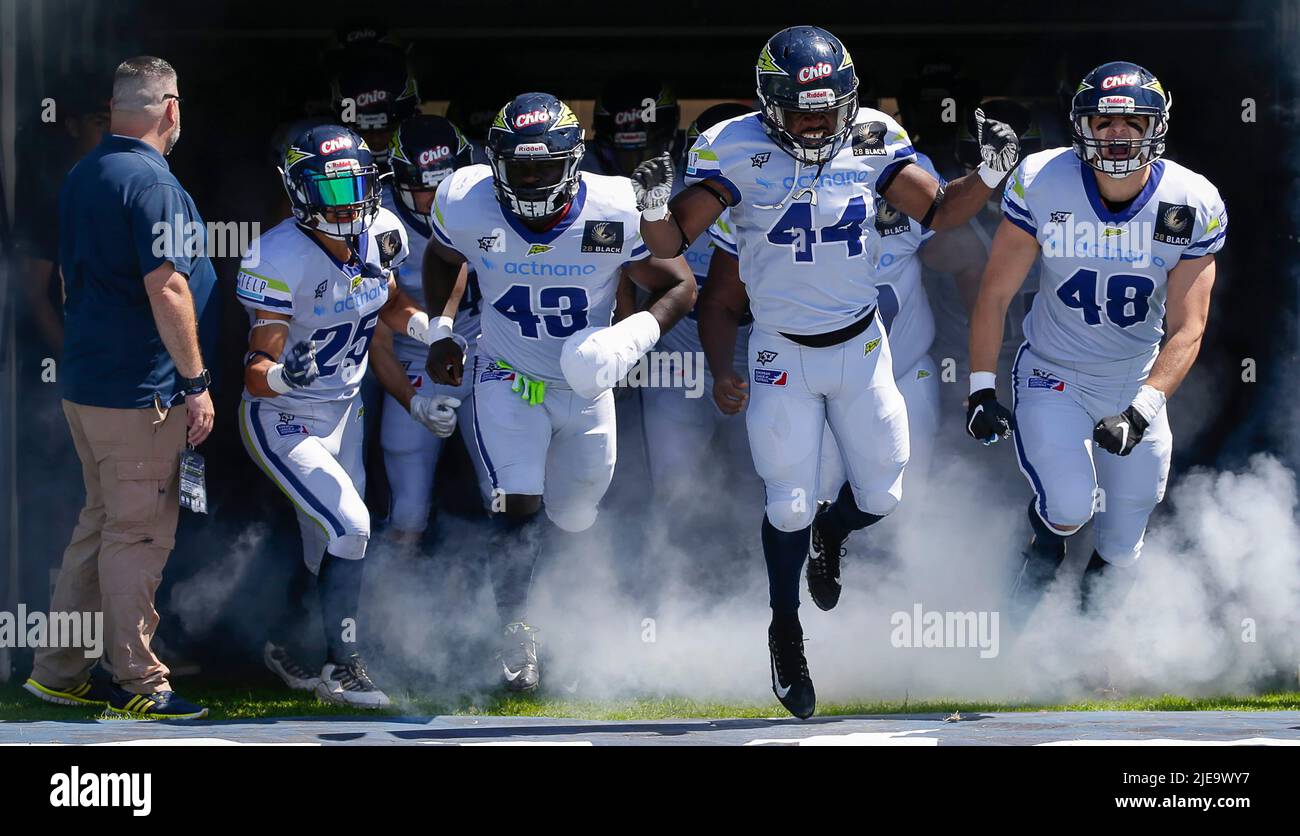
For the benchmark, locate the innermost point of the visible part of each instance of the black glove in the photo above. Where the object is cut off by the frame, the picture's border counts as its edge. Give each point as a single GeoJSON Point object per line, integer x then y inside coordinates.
{"type": "Point", "coordinates": [986, 419]}
{"type": "Point", "coordinates": [1119, 434]}
{"type": "Point", "coordinates": [300, 365]}
{"type": "Point", "coordinates": [999, 145]}
{"type": "Point", "coordinates": [652, 182]}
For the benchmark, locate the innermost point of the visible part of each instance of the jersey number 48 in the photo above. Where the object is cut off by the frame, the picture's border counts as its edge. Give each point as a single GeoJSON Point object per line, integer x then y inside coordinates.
{"type": "Point", "coordinates": [1128, 297]}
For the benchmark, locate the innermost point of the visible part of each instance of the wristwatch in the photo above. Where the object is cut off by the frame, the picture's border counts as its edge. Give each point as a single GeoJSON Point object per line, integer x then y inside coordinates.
{"type": "Point", "coordinates": [195, 385]}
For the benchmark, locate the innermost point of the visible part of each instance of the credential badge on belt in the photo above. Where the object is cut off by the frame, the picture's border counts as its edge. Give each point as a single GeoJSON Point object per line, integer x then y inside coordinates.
{"type": "Point", "coordinates": [194, 491]}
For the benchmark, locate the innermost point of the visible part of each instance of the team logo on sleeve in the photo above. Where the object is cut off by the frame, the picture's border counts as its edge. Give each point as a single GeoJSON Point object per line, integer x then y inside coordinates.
{"type": "Point", "coordinates": [602, 237]}
{"type": "Point", "coordinates": [390, 244]}
{"type": "Point", "coordinates": [772, 377]}
{"type": "Point", "coordinates": [1174, 224]}
{"type": "Point", "coordinates": [890, 221]}
{"type": "Point", "coordinates": [760, 159]}
{"type": "Point", "coordinates": [869, 139]}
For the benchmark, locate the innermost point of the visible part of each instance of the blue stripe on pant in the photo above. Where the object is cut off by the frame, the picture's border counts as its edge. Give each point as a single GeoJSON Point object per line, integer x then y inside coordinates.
{"type": "Point", "coordinates": [286, 473]}
{"type": "Point", "coordinates": [1020, 448]}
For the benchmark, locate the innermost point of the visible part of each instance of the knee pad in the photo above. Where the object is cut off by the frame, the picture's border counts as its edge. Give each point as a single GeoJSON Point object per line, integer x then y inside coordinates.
{"type": "Point", "coordinates": [789, 516]}
{"type": "Point", "coordinates": [1067, 509]}
{"type": "Point", "coordinates": [1119, 554]}
{"type": "Point", "coordinates": [573, 519]}
{"type": "Point", "coordinates": [349, 546]}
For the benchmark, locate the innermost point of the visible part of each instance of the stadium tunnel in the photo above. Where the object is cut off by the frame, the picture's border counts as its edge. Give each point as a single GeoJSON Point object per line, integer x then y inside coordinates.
{"type": "Point", "coordinates": [246, 68]}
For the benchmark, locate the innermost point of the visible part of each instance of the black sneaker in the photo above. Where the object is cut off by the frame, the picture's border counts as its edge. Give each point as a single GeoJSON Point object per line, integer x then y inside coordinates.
{"type": "Point", "coordinates": [518, 655]}
{"type": "Point", "coordinates": [824, 564]}
{"type": "Point", "coordinates": [162, 705]}
{"type": "Point", "coordinates": [97, 690]}
{"type": "Point", "coordinates": [294, 674]}
{"type": "Point", "coordinates": [791, 681]}
{"type": "Point", "coordinates": [348, 683]}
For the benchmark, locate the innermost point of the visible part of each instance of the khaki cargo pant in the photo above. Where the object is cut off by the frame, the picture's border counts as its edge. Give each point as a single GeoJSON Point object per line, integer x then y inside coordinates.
{"type": "Point", "coordinates": [129, 461]}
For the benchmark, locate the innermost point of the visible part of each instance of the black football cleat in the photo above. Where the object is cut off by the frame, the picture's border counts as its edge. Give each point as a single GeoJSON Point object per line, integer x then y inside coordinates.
{"type": "Point", "coordinates": [824, 564]}
{"type": "Point", "coordinates": [518, 655]}
{"type": "Point", "coordinates": [790, 679]}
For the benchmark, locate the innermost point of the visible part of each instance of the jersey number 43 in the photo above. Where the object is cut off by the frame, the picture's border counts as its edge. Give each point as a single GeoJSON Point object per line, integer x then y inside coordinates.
{"type": "Point", "coordinates": [562, 310]}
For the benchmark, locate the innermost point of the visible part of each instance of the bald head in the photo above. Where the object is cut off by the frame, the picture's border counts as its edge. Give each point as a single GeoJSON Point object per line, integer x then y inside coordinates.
{"type": "Point", "coordinates": [145, 102]}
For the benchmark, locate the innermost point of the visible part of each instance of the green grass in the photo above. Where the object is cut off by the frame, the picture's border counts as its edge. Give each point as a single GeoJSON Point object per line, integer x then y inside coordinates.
{"type": "Point", "coordinates": [227, 703]}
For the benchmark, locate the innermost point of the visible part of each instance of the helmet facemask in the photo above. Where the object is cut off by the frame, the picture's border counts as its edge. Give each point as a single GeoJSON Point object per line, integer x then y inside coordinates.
{"type": "Point", "coordinates": [1140, 152]}
{"type": "Point", "coordinates": [535, 183]}
{"type": "Point", "coordinates": [349, 189]}
{"type": "Point", "coordinates": [776, 113]}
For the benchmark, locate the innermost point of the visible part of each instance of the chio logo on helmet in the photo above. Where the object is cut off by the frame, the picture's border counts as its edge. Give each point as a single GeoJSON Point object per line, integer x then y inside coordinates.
{"type": "Point", "coordinates": [627, 117]}
{"type": "Point", "coordinates": [534, 117]}
{"type": "Point", "coordinates": [819, 70]}
{"type": "Point", "coordinates": [433, 155]}
{"type": "Point", "coordinates": [364, 99]}
{"type": "Point", "coordinates": [1110, 82]}
{"type": "Point", "coordinates": [338, 143]}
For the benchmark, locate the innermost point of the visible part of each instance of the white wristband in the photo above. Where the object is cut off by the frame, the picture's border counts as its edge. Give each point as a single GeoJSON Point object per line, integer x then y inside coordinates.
{"type": "Point", "coordinates": [982, 380]}
{"type": "Point", "coordinates": [275, 380]}
{"type": "Point", "coordinates": [1149, 402]}
{"type": "Point", "coordinates": [991, 176]}
{"type": "Point", "coordinates": [419, 328]}
{"type": "Point", "coordinates": [655, 213]}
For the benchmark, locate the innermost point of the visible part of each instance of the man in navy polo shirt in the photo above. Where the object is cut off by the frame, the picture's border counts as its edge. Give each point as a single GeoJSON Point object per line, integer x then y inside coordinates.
{"type": "Point", "coordinates": [131, 252]}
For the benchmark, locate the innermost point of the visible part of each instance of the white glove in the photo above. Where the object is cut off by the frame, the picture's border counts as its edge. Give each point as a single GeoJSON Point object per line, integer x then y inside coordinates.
{"type": "Point", "coordinates": [595, 359]}
{"type": "Point", "coordinates": [437, 413]}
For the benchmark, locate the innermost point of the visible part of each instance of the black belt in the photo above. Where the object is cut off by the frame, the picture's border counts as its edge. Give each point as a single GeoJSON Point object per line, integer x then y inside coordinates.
{"type": "Point", "coordinates": [831, 338]}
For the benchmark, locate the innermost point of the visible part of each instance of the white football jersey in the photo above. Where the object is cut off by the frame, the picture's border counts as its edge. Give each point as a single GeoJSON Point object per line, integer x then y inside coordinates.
{"type": "Point", "coordinates": [335, 304]}
{"type": "Point", "coordinates": [903, 304]}
{"type": "Point", "coordinates": [1102, 285]}
{"type": "Point", "coordinates": [539, 288]}
{"type": "Point", "coordinates": [808, 268]}
{"type": "Point", "coordinates": [412, 352]}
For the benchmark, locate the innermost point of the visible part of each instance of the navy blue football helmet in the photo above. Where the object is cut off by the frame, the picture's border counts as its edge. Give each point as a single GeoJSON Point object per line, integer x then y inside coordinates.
{"type": "Point", "coordinates": [628, 131]}
{"type": "Point", "coordinates": [805, 69]}
{"type": "Point", "coordinates": [1120, 88]}
{"type": "Point", "coordinates": [379, 83]}
{"type": "Point", "coordinates": [332, 181]}
{"type": "Point", "coordinates": [535, 146]}
{"type": "Point", "coordinates": [423, 151]}
{"type": "Point", "coordinates": [711, 116]}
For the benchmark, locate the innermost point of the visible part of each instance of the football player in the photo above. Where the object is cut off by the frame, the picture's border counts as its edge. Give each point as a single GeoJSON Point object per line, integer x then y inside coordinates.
{"type": "Point", "coordinates": [680, 429]}
{"type": "Point", "coordinates": [908, 321]}
{"type": "Point", "coordinates": [635, 119]}
{"type": "Point", "coordinates": [953, 302]}
{"type": "Point", "coordinates": [373, 92]}
{"type": "Point", "coordinates": [548, 243]}
{"type": "Point", "coordinates": [1127, 242]}
{"type": "Point", "coordinates": [322, 281]}
{"type": "Point", "coordinates": [801, 177]}
{"type": "Point", "coordinates": [423, 152]}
